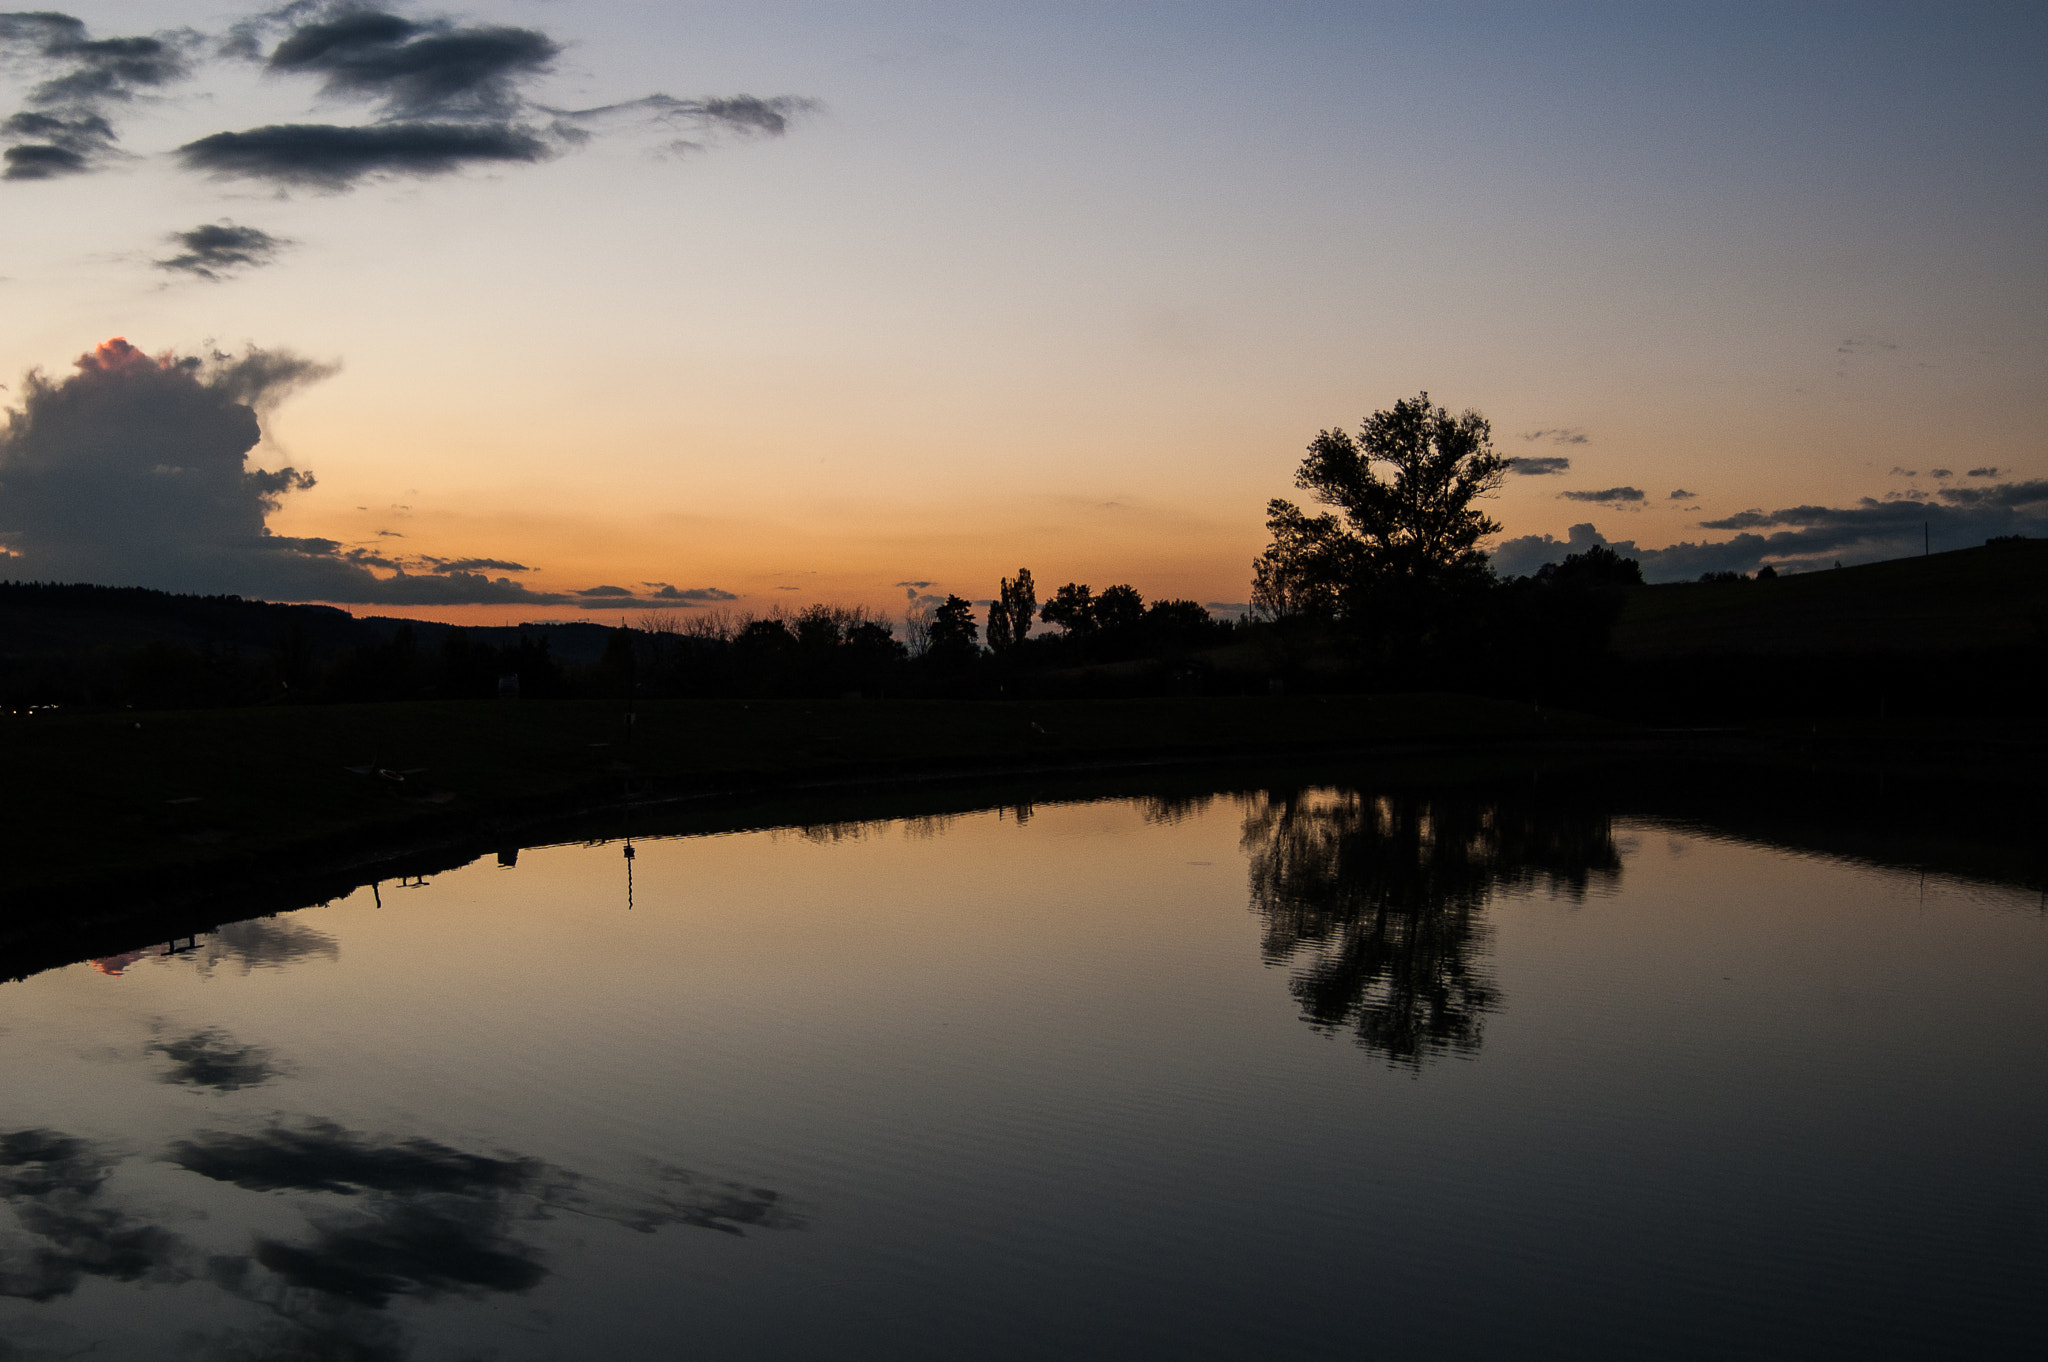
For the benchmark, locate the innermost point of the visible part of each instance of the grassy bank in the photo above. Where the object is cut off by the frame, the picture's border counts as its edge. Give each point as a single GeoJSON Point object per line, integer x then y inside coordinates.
{"type": "Point", "coordinates": [146, 803]}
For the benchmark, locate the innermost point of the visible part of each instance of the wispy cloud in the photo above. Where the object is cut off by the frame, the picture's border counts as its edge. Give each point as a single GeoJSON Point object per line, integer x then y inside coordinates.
{"type": "Point", "coordinates": [1606, 495]}
{"type": "Point", "coordinates": [1558, 435]}
{"type": "Point", "coordinates": [1541, 465]}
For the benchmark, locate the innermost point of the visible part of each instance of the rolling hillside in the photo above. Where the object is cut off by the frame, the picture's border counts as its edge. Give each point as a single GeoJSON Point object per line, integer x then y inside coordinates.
{"type": "Point", "coordinates": [1989, 597]}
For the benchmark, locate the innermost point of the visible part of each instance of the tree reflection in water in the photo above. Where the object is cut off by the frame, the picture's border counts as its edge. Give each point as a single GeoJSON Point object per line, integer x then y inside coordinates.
{"type": "Point", "coordinates": [1377, 901]}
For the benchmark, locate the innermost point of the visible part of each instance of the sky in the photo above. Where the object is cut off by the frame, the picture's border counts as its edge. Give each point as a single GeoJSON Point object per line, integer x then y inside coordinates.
{"type": "Point", "coordinates": [538, 309]}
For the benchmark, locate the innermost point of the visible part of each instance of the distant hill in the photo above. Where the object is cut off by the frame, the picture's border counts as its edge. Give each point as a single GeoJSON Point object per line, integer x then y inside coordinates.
{"type": "Point", "coordinates": [1989, 597]}
{"type": "Point", "coordinates": [45, 620]}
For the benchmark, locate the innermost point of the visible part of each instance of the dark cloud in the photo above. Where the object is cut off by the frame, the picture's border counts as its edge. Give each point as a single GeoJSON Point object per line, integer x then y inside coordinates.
{"type": "Point", "coordinates": [332, 157]}
{"type": "Point", "coordinates": [1983, 473]}
{"type": "Point", "coordinates": [1813, 536]}
{"type": "Point", "coordinates": [1558, 436]}
{"type": "Point", "coordinates": [430, 69]}
{"type": "Point", "coordinates": [65, 129]}
{"type": "Point", "coordinates": [1899, 472]}
{"type": "Point", "coordinates": [59, 144]}
{"type": "Point", "coordinates": [441, 96]}
{"type": "Point", "coordinates": [665, 597]}
{"type": "Point", "coordinates": [1682, 495]}
{"type": "Point", "coordinates": [474, 564]}
{"type": "Point", "coordinates": [1606, 495]}
{"type": "Point", "coordinates": [133, 471]}
{"type": "Point", "coordinates": [445, 96]}
{"type": "Point", "coordinates": [214, 250]}
{"type": "Point", "coordinates": [1939, 473]}
{"type": "Point", "coordinates": [2004, 495]}
{"type": "Point", "coordinates": [210, 1059]}
{"type": "Point", "coordinates": [1539, 465]}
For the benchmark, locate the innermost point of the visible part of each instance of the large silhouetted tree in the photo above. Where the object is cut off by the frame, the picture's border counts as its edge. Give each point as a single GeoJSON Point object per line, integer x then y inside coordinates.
{"type": "Point", "coordinates": [1406, 530]}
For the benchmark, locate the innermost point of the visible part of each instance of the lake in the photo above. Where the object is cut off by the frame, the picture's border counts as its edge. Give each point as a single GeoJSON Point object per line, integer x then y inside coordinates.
{"type": "Point", "coordinates": [1301, 1067]}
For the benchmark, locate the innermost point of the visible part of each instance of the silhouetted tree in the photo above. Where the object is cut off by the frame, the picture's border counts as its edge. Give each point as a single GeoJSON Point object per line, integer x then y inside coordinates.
{"type": "Point", "coordinates": [1302, 573]}
{"type": "Point", "coordinates": [952, 632]}
{"type": "Point", "coordinates": [1407, 545]}
{"type": "Point", "coordinates": [1072, 608]}
{"type": "Point", "coordinates": [1178, 624]}
{"type": "Point", "coordinates": [1009, 615]}
{"type": "Point", "coordinates": [1599, 567]}
{"type": "Point", "coordinates": [1118, 608]}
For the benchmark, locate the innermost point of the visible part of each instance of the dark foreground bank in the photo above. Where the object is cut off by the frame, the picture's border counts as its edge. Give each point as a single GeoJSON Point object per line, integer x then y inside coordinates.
{"type": "Point", "coordinates": [111, 806]}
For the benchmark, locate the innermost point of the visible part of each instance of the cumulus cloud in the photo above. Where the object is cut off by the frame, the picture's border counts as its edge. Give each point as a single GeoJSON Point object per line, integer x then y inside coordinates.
{"type": "Point", "coordinates": [1539, 465]}
{"type": "Point", "coordinates": [1813, 536]}
{"type": "Point", "coordinates": [1567, 435]}
{"type": "Point", "coordinates": [134, 471]}
{"type": "Point", "coordinates": [215, 250]}
{"type": "Point", "coordinates": [65, 128]}
{"type": "Point", "coordinates": [1606, 495]}
{"type": "Point", "coordinates": [1983, 473]}
{"type": "Point", "coordinates": [1682, 495]}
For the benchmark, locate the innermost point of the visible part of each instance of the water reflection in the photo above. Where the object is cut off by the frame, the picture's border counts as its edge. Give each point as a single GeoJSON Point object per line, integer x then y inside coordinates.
{"type": "Point", "coordinates": [70, 1230]}
{"type": "Point", "coordinates": [211, 1059]}
{"type": "Point", "coordinates": [384, 1219]}
{"type": "Point", "coordinates": [259, 943]}
{"type": "Point", "coordinates": [1377, 902]}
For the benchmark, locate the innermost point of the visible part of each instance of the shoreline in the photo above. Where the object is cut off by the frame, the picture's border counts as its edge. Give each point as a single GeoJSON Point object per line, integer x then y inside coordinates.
{"type": "Point", "coordinates": [171, 885]}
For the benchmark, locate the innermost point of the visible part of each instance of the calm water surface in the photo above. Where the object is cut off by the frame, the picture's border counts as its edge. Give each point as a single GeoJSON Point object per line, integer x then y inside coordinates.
{"type": "Point", "coordinates": [1313, 1072]}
